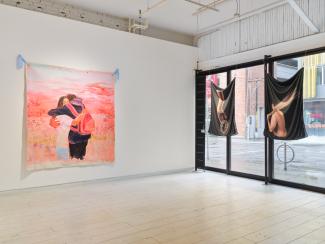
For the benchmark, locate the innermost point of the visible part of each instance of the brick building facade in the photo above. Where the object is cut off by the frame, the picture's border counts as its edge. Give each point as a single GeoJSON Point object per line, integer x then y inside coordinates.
{"type": "Point", "coordinates": [249, 99]}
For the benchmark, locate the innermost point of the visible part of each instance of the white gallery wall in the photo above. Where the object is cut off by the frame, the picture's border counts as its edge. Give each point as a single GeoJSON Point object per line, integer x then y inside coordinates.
{"type": "Point", "coordinates": [154, 99]}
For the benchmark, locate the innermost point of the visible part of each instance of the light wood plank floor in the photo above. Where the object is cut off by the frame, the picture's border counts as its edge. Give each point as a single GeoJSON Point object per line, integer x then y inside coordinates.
{"type": "Point", "coordinates": [180, 208]}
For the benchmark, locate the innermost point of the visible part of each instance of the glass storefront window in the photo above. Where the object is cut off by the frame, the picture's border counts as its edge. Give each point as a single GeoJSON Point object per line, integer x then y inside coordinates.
{"type": "Point", "coordinates": [303, 161]}
{"type": "Point", "coordinates": [247, 148]}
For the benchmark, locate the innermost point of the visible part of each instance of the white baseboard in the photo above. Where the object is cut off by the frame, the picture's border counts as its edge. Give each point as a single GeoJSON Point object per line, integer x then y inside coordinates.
{"type": "Point", "coordinates": [117, 178]}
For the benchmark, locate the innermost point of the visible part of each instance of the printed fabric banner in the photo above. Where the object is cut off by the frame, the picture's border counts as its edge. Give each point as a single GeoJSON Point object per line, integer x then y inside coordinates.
{"type": "Point", "coordinates": [284, 108]}
{"type": "Point", "coordinates": [222, 121]}
{"type": "Point", "coordinates": [70, 117]}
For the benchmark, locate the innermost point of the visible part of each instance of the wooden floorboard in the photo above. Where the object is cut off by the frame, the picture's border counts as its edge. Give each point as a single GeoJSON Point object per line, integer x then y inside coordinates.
{"type": "Point", "coordinates": [179, 208]}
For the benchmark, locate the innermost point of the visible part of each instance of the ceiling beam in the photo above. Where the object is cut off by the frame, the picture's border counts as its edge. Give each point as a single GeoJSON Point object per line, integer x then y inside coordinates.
{"type": "Point", "coordinates": [97, 18]}
{"type": "Point", "coordinates": [303, 16]}
{"type": "Point", "coordinates": [203, 9]}
{"type": "Point", "coordinates": [203, 5]}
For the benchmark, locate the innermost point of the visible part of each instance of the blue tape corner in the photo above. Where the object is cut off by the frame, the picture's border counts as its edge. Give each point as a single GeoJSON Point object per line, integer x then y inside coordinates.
{"type": "Point", "coordinates": [20, 61]}
{"type": "Point", "coordinates": [116, 75]}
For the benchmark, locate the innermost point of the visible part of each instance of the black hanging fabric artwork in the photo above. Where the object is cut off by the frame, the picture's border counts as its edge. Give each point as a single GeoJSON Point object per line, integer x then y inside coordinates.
{"type": "Point", "coordinates": [284, 108]}
{"type": "Point", "coordinates": [222, 121]}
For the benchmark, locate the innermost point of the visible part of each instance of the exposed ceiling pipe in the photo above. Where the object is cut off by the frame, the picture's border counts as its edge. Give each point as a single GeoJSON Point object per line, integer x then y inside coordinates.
{"type": "Point", "coordinates": [212, 28]}
{"type": "Point", "coordinates": [303, 16]}
{"type": "Point", "coordinates": [203, 5]}
{"type": "Point", "coordinates": [202, 9]}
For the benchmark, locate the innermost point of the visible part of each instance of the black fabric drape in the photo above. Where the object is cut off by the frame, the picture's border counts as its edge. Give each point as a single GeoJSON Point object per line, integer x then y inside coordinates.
{"type": "Point", "coordinates": [222, 121]}
{"type": "Point", "coordinates": [284, 108]}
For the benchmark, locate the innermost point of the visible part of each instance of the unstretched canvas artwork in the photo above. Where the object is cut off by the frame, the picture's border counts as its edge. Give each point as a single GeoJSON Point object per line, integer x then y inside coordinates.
{"type": "Point", "coordinates": [70, 117]}
{"type": "Point", "coordinates": [284, 108]}
{"type": "Point", "coordinates": [222, 121]}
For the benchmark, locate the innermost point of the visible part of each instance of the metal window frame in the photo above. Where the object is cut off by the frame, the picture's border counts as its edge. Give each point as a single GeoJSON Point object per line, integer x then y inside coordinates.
{"type": "Point", "coordinates": [268, 177]}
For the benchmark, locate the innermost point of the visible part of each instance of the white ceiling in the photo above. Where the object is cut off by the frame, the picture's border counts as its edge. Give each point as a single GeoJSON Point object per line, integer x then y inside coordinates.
{"type": "Point", "coordinates": [174, 15]}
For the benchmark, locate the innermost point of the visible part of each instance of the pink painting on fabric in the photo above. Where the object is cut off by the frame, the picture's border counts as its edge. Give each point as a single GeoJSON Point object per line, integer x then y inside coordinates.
{"type": "Point", "coordinates": [70, 117]}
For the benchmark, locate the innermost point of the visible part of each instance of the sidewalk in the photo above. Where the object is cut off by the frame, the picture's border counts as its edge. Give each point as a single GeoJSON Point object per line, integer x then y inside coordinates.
{"type": "Point", "coordinates": [308, 166]}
